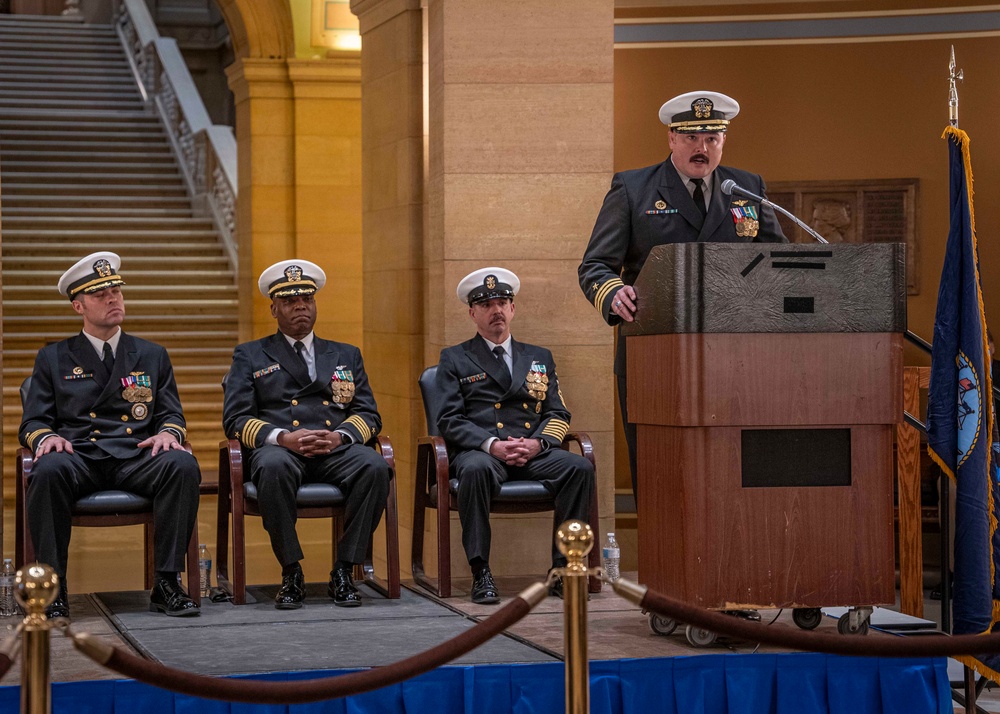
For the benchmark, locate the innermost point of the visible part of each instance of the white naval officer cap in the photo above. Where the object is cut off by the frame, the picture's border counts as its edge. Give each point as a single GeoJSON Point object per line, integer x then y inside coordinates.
{"type": "Point", "coordinates": [487, 284]}
{"type": "Point", "coordinates": [291, 277]}
{"type": "Point", "coordinates": [88, 275]}
{"type": "Point", "coordinates": [699, 112]}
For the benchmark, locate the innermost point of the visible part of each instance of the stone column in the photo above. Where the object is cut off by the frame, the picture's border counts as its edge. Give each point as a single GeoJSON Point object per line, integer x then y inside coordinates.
{"type": "Point", "coordinates": [518, 98]}
{"type": "Point", "coordinates": [392, 138]}
{"type": "Point", "coordinates": [265, 138]}
{"type": "Point", "coordinates": [327, 176]}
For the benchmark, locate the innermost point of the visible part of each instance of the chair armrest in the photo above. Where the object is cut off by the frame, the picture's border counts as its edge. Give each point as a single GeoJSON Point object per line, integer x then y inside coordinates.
{"type": "Point", "coordinates": [232, 452]}
{"type": "Point", "coordinates": [581, 439]}
{"type": "Point", "coordinates": [383, 445]}
{"type": "Point", "coordinates": [434, 447]}
{"type": "Point", "coordinates": [25, 460]}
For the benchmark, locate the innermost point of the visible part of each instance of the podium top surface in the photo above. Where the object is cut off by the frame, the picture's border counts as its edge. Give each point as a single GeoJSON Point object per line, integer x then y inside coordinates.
{"type": "Point", "coordinates": [760, 287]}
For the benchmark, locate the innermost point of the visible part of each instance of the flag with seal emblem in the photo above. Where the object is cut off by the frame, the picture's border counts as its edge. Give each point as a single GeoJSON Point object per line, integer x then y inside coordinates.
{"type": "Point", "coordinates": [960, 413]}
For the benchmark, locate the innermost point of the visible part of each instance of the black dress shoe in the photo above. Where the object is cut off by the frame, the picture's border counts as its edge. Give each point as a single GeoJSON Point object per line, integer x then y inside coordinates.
{"type": "Point", "coordinates": [556, 588]}
{"type": "Point", "coordinates": [484, 590]}
{"type": "Point", "coordinates": [292, 592]}
{"type": "Point", "coordinates": [342, 590]}
{"type": "Point", "coordinates": [59, 606]}
{"type": "Point", "coordinates": [168, 597]}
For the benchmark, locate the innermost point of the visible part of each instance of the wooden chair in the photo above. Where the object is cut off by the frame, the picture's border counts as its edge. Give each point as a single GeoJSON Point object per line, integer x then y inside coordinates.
{"type": "Point", "coordinates": [238, 495]}
{"type": "Point", "coordinates": [434, 489]}
{"type": "Point", "coordinates": [99, 509]}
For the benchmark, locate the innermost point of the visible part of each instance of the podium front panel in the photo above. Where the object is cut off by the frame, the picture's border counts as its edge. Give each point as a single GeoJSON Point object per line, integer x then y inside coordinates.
{"type": "Point", "coordinates": [707, 539]}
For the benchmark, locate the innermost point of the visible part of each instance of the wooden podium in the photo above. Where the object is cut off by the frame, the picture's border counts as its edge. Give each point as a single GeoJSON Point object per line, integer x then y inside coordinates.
{"type": "Point", "coordinates": [765, 382]}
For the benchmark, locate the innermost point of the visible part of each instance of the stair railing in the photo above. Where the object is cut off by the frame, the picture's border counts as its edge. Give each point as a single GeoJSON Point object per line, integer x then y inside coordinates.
{"type": "Point", "coordinates": [206, 152]}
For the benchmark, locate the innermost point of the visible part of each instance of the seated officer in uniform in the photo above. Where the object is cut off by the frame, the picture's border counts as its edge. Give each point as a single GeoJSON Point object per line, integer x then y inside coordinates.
{"type": "Point", "coordinates": [503, 418]}
{"type": "Point", "coordinates": [103, 413]}
{"type": "Point", "coordinates": [303, 409]}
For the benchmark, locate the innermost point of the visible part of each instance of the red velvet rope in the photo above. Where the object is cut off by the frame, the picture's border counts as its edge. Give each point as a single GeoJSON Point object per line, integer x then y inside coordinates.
{"type": "Point", "coordinates": [855, 646]}
{"type": "Point", "coordinates": [314, 690]}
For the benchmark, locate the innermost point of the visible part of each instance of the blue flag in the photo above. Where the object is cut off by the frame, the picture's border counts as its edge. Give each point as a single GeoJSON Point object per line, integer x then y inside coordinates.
{"type": "Point", "coordinates": [960, 413]}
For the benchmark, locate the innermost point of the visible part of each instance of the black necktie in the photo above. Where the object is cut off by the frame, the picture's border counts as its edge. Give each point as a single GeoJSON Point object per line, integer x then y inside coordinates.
{"type": "Point", "coordinates": [699, 196]}
{"type": "Point", "coordinates": [499, 352]}
{"type": "Point", "coordinates": [109, 359]}
{"type": "Point", "coordinates": [299, 347]}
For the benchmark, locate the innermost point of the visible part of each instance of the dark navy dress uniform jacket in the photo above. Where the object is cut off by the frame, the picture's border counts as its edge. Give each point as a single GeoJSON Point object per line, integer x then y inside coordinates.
{"type": "Point", "coordinates": [68, 397]}
{"type": "Point", "coordinates": [268, 388]}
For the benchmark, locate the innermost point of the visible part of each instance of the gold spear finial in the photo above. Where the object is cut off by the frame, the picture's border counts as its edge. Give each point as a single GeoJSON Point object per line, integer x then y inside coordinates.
{"type": "Point", "coordinates": [952, 91]}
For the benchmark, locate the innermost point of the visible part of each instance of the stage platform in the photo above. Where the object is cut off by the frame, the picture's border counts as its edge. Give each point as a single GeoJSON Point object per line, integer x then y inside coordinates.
{"type": "Point", "coordinates": [256, 640]}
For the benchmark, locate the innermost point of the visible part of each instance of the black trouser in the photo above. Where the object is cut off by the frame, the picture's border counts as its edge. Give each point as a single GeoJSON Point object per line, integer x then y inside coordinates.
{"type": "Point", "coordinates": [59, 479]}
{"type": "Point", "coordinates": [567, 476]}
{"type": "Point", "coordinates": [357, 470]}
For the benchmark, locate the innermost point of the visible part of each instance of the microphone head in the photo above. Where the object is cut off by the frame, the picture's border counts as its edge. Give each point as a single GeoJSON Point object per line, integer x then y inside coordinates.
{"type": "Point", "coordinates": [727, 186]}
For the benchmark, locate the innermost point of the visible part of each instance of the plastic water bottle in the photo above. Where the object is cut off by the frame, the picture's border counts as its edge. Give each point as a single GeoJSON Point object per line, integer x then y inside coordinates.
{"type": "Point", "coordinates": [8, 606]}
{"type": "Point", "coordinates": [612, 558]}
{"type": "Point", "coordinates": [205, 569]}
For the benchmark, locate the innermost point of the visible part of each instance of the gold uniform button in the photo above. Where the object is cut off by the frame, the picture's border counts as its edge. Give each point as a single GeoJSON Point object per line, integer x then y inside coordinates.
{"type": "Point", "coordinates": [96, 431]}
{"type": "Point", "coordinates": [92, 415]}
{"type": "Point", "coordinates": [499, 425]}
{"type": "Point", "coordinates": [328, 422]}
{"type": "Point", "coordinates": [527, 425]}
{"type": "Point", "coordinates": [295, 423]}
{"type": "Point", "coordinates": [326, 403]}
{"type": "Point", "coordinates": [124, 417]}
{"type": "Point", "coordinates": [93, 439]}
{"type": "Point", "coordinates": [295, 402]}
{"type": "Point", "coordinates": [497, 405]}
{"type": "Point", "coordinates": [128, 431]}
{"type": "Point", "coordinates": [525, 405]}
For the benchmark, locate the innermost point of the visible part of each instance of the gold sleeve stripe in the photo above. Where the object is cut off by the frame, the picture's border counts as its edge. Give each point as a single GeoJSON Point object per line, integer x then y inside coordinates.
{"type": "Point", "coordinates": [250, 431]}
{"type": "Point", "coordinates": [605, 290]}
{"type": "Point", "coordinates": [30, 438]}
{"type": "Point", "coordinates": [178, 427]}
{"type": "Point", "coordinates": [556, 428]}
{"type": "Point", "coordinates": [363, 429]}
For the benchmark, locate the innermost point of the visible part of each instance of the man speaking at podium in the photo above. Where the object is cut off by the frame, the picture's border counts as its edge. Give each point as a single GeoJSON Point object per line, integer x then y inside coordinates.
{"type": "Point", "coordinates": [679, 200]}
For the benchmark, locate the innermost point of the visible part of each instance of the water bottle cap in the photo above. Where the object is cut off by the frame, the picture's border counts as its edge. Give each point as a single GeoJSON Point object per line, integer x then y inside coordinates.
{"type": "Point", "coordinates": [610, 534]}
{"type": "Point", "coordinates": [201, 545]}
{"type": "Point", "coordinates": [6, 560]}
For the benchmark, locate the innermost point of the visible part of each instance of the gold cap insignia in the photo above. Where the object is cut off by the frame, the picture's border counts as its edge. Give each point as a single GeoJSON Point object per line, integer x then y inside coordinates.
{"type": "Point", "coordinates": [103, 268]}
{"type": "Point", "coordinates": [293, 273]}
{"type": "Point", "coordinates": [702, 108]}
{"type": "Point", "coordinates": [490, 282]}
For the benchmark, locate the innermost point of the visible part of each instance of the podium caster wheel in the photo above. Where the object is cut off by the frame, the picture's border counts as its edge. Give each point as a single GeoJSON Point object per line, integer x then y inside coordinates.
{"type": "Point", "coordinates": [660, 625]}
{"type": "Point", "coordinates": [808, 618]}
{"type": "Point", "coordinates": [844, 626]}
{"type": "Point", "coordinates": [699, 637]}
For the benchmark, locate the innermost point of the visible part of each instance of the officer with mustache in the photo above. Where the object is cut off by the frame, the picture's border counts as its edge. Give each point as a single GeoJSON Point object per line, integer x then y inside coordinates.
{"type": "Point", "coordinates": [675, 201]}
{"type": "Point", "coordinates": [504, 419]}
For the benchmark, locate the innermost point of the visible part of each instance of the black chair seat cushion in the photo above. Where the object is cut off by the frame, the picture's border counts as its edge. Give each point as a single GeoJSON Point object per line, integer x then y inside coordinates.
{"type": "Point", "coordinates": [510, 492]}
{"type": "Point", "coordinates": [104, 503]}
{"type": "Point", "coordinates": [310, 495]}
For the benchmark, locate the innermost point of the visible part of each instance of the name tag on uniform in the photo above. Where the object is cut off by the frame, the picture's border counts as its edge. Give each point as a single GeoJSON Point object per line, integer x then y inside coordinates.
{"type": "Point", "coordinates": [267, 370]}
{"type": "Point", "coordinates": [473, 378]}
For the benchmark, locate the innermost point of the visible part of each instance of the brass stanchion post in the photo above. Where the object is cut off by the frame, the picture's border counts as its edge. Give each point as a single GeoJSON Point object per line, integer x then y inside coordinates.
{"type": "Point", "coordinates": [35, 587]}
{"type": "Point", "coordinates": [575, 539]}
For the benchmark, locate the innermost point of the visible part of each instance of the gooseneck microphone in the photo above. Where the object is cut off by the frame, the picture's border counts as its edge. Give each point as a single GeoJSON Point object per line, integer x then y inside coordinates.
{"type": "Point", "coordinates": [730, 187]}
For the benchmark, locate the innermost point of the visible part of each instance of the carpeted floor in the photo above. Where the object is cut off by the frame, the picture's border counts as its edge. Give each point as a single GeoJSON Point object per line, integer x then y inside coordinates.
{"type": "Point", "coordinates": [254, 638]}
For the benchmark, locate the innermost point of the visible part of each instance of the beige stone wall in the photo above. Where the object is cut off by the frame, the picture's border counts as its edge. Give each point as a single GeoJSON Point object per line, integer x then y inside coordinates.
{"type": "Point", "coordinates": [518, 157]}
